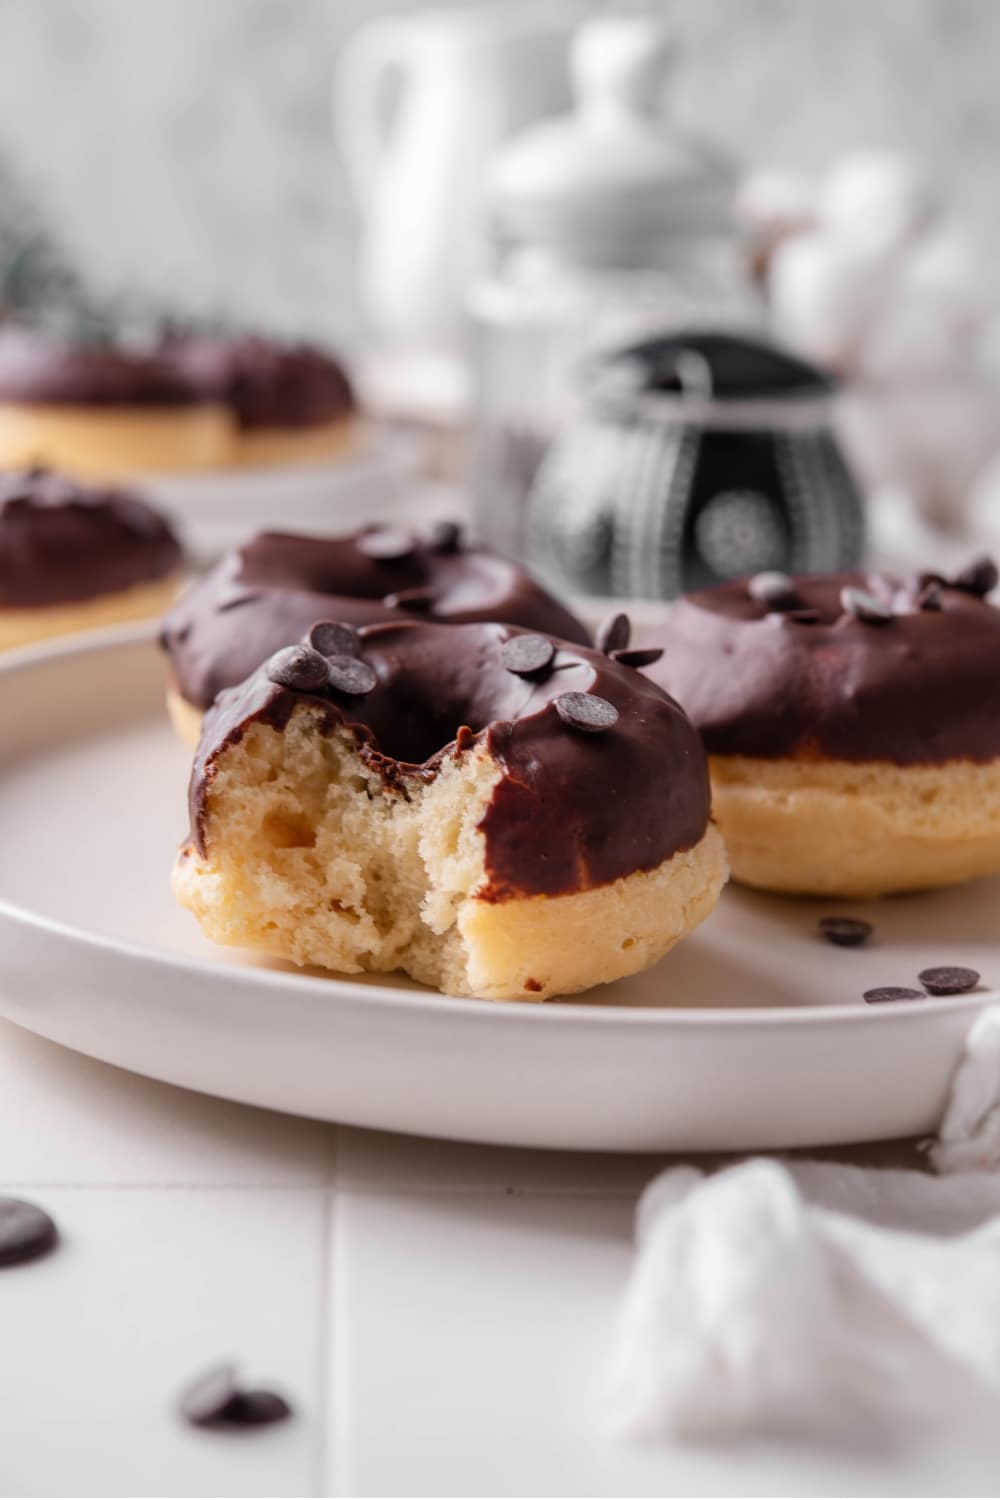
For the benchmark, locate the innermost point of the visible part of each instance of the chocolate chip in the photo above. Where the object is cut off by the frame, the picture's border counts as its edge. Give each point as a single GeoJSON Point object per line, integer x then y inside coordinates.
{"type": "Point", "coordinates": [586, 711]}
{"type": "Point", "coordinates": [637, 656]}
{"type": "Point", "coordinates": [385, 544]}
{"type": "Point", "coordinates": [865, 606]}
{"type": "Point", "coordinates": [527, 655]}
{"type": "Point", "coordinates": [948, 980]}
{"type": "Point", "coordinates": [444, 536]}
{"type": "Point", "coordinates": [209, 1397]}
{"type": "Point", "coordinates": [299, 668]}
{"type": "Point", "coordinates": [331, 638]}
{"type": "Point", "coordinates": [26, 1231]}
{"type": "Point", "coordinates": [980, 577]}
{"type": "Point", "coordinates": [774, 590]}
{"type": "Point", "coordinates": [255, 1408]}
{"type": "Point", "coordinates": [800, 616]}
{"type": "Point", "coordinates": [419, 600]}
{"type": "Point", "coordinates": [845, 932]}
{"type": "Point", "coordinates": [613, 634]}
{"type": "Point", "coordinates": [348, 675]}
{"type": "Point", "coordinates": [891, 992]}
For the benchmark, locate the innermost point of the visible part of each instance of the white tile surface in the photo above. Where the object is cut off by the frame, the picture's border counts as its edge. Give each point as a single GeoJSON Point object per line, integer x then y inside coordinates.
{"type": "Point", "coordinates": [148, 1287]}
{"type": "Point", "coordinates": [67, 1119]}
{"type": "Point", "coordinates": [469, 1330]}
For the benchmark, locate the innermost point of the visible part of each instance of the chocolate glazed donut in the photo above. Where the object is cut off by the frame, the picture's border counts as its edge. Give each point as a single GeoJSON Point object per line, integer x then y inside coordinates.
{"type": "Point", "coordinates": [269, 592]}
{"type": "Point", "coordinates": [852, 723]}
{"type": "Point", "coordinates": [497, 812]}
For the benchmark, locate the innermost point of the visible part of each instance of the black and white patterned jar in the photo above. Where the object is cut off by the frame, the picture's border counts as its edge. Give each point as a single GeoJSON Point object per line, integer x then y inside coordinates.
{"type": "Point", "coordinates": [698, 457]}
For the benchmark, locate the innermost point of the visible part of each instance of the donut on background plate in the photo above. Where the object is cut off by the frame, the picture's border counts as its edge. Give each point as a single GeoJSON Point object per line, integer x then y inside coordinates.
{"type": "Point", "coordinates": [267, 594]}
{"type": "Point", "coordinates": [494, 812]}
{"type": "Point", "coordinates": [852, 724]}
{"type": "Point", "coordinates": [75, 557]}
{"type": "Point", "coordinates": [101, 412]}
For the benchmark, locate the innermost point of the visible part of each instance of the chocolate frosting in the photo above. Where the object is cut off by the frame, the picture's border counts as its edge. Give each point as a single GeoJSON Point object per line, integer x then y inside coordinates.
{"type": "Point", "coordinates": [921, 688]}
{"type": "Point", "coordinates": [268, 593]}
{"type": "Point", "coordinates": [40, 368]}
{"type": "Point", "coordinates": [61, 541]}
{"type": "Point", "coordinates": [265, 383]}
{"type": "Point", "coordinates": [572, 810]}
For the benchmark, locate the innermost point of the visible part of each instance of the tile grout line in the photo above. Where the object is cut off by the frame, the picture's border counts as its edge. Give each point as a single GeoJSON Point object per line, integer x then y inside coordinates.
{"type": "Point", "coordinates": [326, 1335]}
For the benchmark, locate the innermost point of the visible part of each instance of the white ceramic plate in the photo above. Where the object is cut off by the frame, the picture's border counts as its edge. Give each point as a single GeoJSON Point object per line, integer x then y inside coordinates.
{"type": "Point", "coordinates": [220, 509]}
{"type": "Point", "coordinates": [751, 1034]}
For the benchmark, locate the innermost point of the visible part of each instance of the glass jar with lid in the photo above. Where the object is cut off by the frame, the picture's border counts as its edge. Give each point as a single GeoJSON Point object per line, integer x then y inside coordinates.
{"type": "Point", "coordinates": [608, 225]}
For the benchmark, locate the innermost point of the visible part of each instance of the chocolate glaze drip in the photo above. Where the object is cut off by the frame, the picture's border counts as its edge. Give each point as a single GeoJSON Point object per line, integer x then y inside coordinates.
{"type": "Point", "coordinates": [267, 594]}
{"type": "Point", "coordinates": [571, 811]}
{"type": "Point", "coordinates": [61, 542]}
{"type": "Point", "coordinates": [39, 368]}
{"type": "Point", "coordinates": [919, 689]}
{"type": "Point", "coordinates": [264, 383]}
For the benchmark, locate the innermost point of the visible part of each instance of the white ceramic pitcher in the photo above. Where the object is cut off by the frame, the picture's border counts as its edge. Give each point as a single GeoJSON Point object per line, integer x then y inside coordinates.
{"type": "Point", "coordinates": [420, 103]}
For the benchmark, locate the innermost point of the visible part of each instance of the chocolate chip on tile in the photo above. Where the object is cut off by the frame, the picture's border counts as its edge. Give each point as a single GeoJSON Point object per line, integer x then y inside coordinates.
{"type": "Point", "coordinates": [419, 600]}
{"type": "Point", "coordinates": [586, 711]}
{"type": "Point", "coordinates": [348, 675]}
{"type": "Point", "coordinates": [527, 655]}
{"type": "Point", "coordinates": [948, 979]}
{"type": "Point", "coordinates": [26, 1231]}
{"type": "Point", "coordinates": [444, 536]}
{"type": "Point", "coordinates": [385, 544]}
{"type": "Point", "coordinates": [891, 992]}
{"type": "Point", "coordinates": [613, 634]}
{"type": "Point", "coordinates": [299, 668]}
{"type": "Point", "coordinates": [255, 1408]}
{"type": "Point", "coordinates": [865, 606]}
{"type": "Point", "coordinates": [209, 1397]}
{"type": "Point", "coordinates": [637, 656]}
{"type": "Point", "coordinates": [774, 590]}
{"type": "Point", "coordinates": [980, 577]}
{"type": "Point", "coordinates": [332, 638]}
{"type": "Point", "coordinates": [845, 932]}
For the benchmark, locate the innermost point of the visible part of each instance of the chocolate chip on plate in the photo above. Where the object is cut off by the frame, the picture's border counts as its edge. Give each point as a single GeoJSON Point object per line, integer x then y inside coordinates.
{"type": "Point", "coordinates": [980, 577]}
{"type": "Point", "coordinates": [889, 992]}
{"type": "Point", "coordinates": [865, 606]}
{"type": "Point", "coordinates": [586, 711]}
{"type": "Point", "coordinates": [613, 634]}
{"type": "Point", "coordinates": [845, 932]}
{"type": "Point", "coordinates": [348, 675]}
{"type": "Point", "coordinates": [637, 656]}
{"type": "Point", "coordinates": [386, 544]}
{"type": "Point", "coordinates": [331, 638]}
{"type": "Point", "coordinates": [298, 667]}
{"type": "Point", "coordinates": [419, 600]}
{"type": "Point", "coordinates": [26, 1231]}
{"type": "Point", "coordinates": [775, 590]}
{"type": "Point", "coordinates": [209, 1397]}
{"type": "Point", "coordinates": [526, 655]}
{"type": "Point", "coordinates": [255, 1408]}
{"type": "Point", "coordinates": [444, 536]}
{"type": "Point", "coordinates": [948, 980]}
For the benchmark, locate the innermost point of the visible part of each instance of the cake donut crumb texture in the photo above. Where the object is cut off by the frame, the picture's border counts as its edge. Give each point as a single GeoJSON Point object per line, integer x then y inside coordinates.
{"type": "Point", "coordinates": [437, 803]}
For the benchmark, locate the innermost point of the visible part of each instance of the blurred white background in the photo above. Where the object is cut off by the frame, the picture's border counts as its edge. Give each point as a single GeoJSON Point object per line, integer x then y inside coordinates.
{"type": "Point", "coordinates": [185, 145]}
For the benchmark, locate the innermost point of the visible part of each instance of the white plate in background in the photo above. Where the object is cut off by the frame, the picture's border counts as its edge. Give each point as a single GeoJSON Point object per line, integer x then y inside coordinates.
{"type": "Point", "coordinates": [751, 1034]}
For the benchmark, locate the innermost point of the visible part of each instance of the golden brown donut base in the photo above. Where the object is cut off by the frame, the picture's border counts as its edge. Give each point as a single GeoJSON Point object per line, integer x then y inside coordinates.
{"type": "Point", "coordinates": [311, 859]}
{"type": "Point", "coordinates": [185, 718]}
{"type": "Point", "coordinates": [114, 442]}
{"type": "Point", "coordinates": [834, 828]}
{"type": "Point", "coordinates": [21, 627]}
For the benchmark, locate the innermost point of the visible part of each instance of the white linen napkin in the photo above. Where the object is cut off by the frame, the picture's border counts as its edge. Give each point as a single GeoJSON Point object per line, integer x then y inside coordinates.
{"type": "Point", "coordinates": [811, 1297]}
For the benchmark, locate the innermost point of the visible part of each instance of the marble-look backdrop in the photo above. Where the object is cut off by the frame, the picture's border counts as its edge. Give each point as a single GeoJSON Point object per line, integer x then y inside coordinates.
{"type": "Point", "coordinates": [183, 146]}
